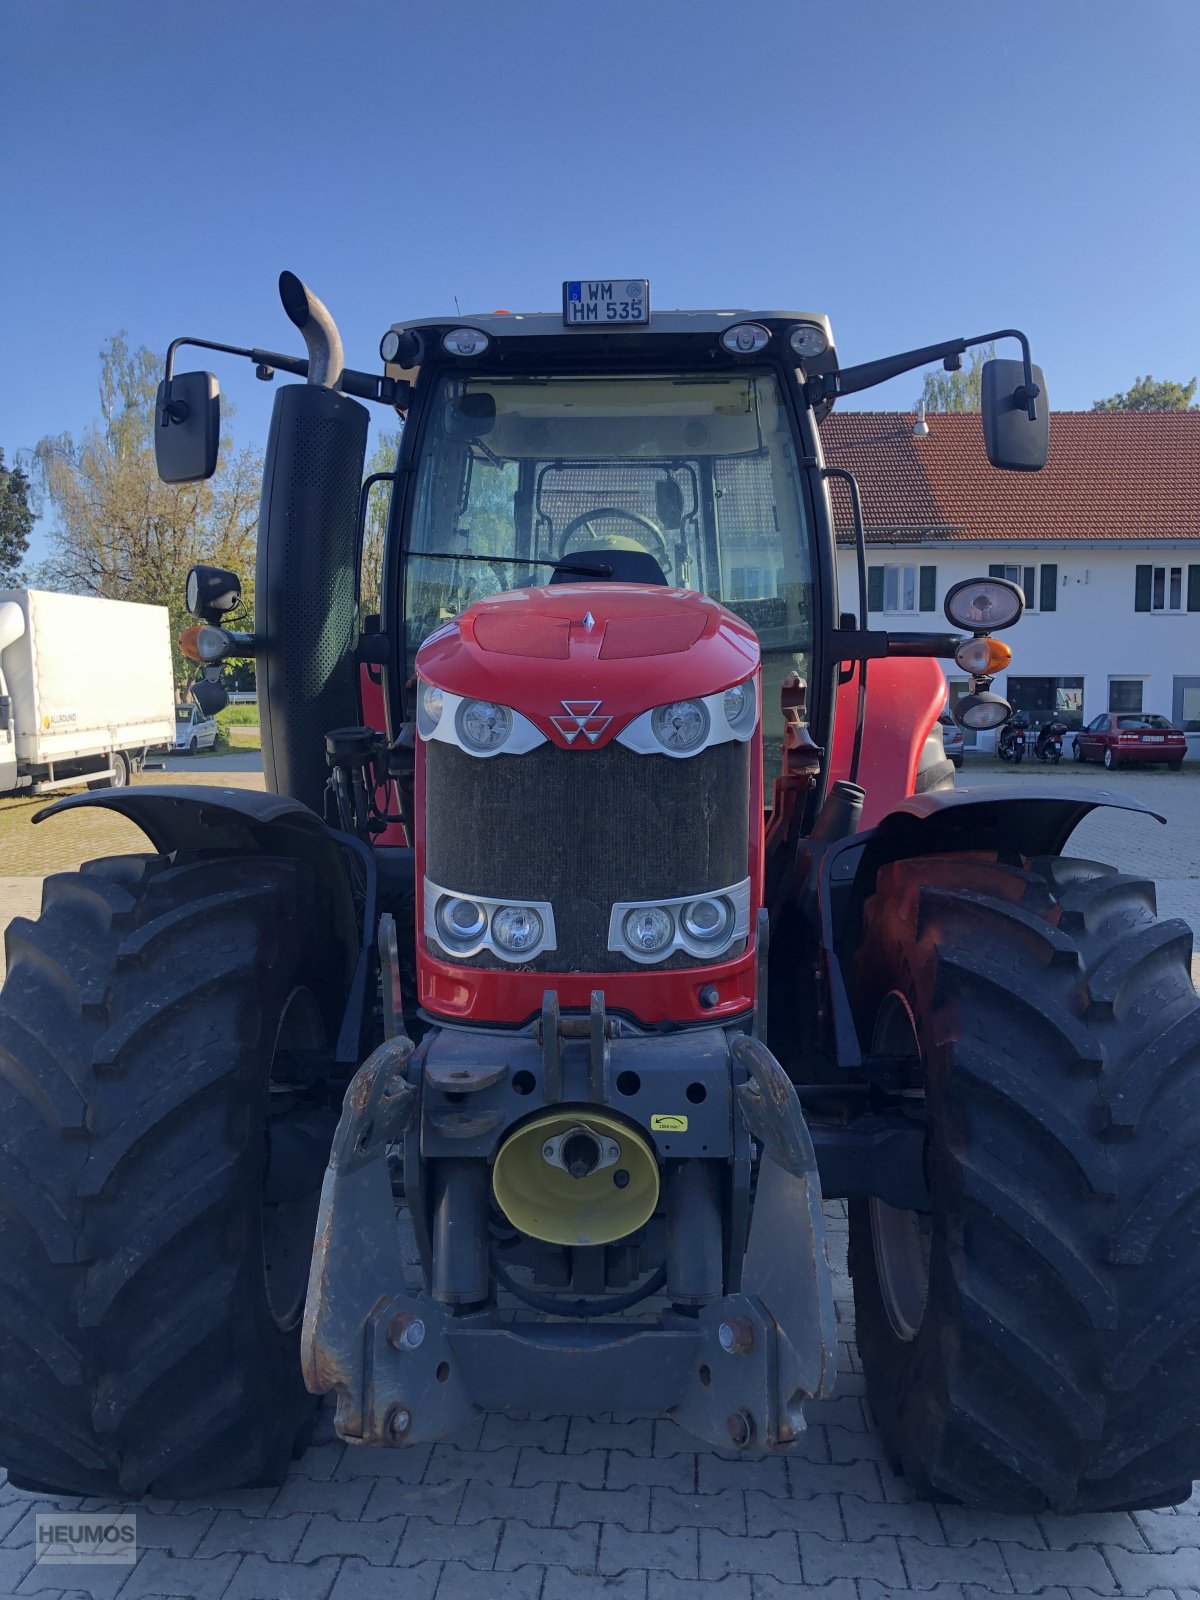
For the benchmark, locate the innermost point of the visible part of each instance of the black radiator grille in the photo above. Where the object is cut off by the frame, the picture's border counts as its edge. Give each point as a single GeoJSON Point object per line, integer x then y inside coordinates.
{"type": "Point", "coordinates": [584, 829]}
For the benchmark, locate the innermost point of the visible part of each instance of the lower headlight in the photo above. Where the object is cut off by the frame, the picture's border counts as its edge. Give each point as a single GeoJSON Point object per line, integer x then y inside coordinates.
{"type": "Point", "coordinates": [460, 921]}
{"type": "Point", "coordinates": [708, 921]}
{"type": "Point", "coordinates": [740, 706]}
{"type": "Point", "coordinates": [649, 929]}
{"type": "Point", "coordinates": [517, 929]}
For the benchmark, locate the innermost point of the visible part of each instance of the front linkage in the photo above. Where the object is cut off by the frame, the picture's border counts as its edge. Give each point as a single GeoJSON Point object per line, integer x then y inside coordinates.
{"type": "Point", "coordinates": [745, 1331]}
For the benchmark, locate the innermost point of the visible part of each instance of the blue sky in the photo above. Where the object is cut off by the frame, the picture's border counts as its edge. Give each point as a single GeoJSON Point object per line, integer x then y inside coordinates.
{"type": "Point", "coordinates": [917, 169]}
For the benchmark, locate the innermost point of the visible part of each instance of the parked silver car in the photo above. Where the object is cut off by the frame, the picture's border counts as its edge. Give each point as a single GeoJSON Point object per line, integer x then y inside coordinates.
{"type": "Point", "coordinates": [952, 738]}
{"type": "Point", "coordinates": [193, 730]}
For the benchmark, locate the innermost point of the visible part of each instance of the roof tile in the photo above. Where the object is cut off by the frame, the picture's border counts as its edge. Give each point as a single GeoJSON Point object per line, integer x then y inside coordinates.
{"type": "Point", "coordinates": [1132, 475]}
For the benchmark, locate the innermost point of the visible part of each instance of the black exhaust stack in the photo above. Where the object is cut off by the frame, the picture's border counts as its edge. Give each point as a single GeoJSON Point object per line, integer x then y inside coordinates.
{"type": "Point", "coordinates": [305, 602]}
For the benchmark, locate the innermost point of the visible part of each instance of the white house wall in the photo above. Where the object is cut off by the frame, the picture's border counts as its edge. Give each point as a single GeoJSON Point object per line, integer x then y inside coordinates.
{"type": "Point", "coordinates": [1095, 633]}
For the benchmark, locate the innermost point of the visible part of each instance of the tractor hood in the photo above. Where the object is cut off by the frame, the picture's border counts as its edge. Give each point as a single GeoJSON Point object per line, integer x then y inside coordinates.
{"type": "Point", "coordinates": [587, 658]}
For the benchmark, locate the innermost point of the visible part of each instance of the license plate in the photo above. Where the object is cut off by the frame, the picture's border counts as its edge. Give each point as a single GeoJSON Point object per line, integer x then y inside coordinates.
{"type": "Point", "coordinates": [592, 301]}
{"type": "Point", "coordinates": [1154, 738]}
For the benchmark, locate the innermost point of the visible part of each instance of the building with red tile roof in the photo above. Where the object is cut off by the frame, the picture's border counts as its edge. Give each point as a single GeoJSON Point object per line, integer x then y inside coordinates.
{"type": "Point", "coordinates": [1105, 542]}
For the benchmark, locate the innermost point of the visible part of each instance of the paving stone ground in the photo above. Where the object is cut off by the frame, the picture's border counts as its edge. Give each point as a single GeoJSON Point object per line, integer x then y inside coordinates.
{"type": "Point", "coordinates": [552, 1508]}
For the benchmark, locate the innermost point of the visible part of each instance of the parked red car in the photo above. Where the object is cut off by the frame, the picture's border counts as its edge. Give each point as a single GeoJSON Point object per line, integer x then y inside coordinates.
{"type": "Point", "coordinates": [1120, 737]}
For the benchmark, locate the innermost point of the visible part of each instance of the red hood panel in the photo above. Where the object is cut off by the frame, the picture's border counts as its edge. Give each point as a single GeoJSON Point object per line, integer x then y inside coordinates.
{"type": "Point", "coordinates": [618, 648]}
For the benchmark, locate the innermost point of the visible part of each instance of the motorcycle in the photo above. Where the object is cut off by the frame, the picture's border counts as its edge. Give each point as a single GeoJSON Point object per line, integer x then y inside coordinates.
{"type": "Point", "coordinates": [1011, 744]}
{"type": "Point", "coordinates": [1049, 746]}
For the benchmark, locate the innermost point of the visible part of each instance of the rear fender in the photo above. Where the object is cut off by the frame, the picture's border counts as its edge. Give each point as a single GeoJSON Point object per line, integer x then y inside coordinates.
{"type": "Point", "coordinates": [990, 819]}
{"type": "Point", "coordinates": [232, 822]}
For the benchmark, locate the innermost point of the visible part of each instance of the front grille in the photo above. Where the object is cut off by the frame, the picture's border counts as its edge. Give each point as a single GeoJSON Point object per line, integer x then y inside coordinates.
{"type": "Point", "coordinates": [584, 829]}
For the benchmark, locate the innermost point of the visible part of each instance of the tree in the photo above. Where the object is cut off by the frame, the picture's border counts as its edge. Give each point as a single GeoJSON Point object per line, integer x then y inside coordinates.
{"type": "Point", "coordinates": [17, 517]}
{"type": "Point", "coordinates": [957, 391]}
{"type": "Point", "coordinates": [123, 534]}
{"type": "Point", "coordinates": [1147, 394]}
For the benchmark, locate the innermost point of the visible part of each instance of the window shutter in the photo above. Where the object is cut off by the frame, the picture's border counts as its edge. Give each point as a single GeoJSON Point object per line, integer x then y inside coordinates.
{"type": "Point", "coordinates": [1141, 588]}
{"type": "Point", "coordinates": [1048, 596]}
{"type": "Point", "coordinates": [996, 571]}
{"type": "Point", "coordinates": [1028, 574]}
{"type": "Point", "coordinates": [1193, 589]}
{"type": "Point", "coordinates": [928, 588]}
{"type": "Point", "coordinates": [874, 588]}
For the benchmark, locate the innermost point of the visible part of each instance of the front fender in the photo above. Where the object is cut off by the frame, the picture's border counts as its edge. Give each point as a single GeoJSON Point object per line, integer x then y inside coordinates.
{"type": "Point", "coordinates": [1036, 822]}
{"type": "Point", "coordinates": [232, 822]}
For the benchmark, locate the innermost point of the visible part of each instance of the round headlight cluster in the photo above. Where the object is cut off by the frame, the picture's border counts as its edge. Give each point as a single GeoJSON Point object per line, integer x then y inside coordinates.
{"type": "Point", "coordinates": [703, 927]}
{"type": "Point", "coordinates": [683, 725]}
{"type": "Point", "coordinates": [808, 340]}
{"type": "Point", "coordinates": [483, 725]}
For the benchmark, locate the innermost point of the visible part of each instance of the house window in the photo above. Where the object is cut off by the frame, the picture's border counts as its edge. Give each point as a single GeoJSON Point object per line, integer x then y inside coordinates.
{"type": "Point", "coordinates": [1125, 694]}
{"type": "Point", "coordinates": [1166, 589]}
{"type": "Point", "coordinates": [901, 589]}
{"type": "Point", "coordinates": [1047, 699]}
{"type": "Point", "coordinates": [1039, 585]}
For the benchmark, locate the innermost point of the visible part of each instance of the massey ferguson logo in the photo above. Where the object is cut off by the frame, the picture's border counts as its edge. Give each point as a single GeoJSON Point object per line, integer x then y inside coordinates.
{"type": "Point", "coordinates": [581, 718]}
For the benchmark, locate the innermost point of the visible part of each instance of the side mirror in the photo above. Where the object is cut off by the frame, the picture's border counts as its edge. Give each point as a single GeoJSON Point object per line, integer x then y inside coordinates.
{"type": "Point", "coordinates": [187, 428]}
{"type": "Point", "coordinates": [471, 416]}
{"type": "Point", "coordinates": [212, 593]}
{"type": "Point", "coordinates": [1012, 441]}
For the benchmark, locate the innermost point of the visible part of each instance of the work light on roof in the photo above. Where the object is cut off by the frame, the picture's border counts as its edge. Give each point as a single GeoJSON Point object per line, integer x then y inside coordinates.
{"type": "Point", "coordinates": [465, 342]}
{"type": "Point", "coordinates": [808, 340]}
{"type": "Point", "coordinates": [746, 338]}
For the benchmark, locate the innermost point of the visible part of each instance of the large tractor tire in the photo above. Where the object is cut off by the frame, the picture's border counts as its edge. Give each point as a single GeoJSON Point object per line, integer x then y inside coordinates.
{"type": "Point", "coordinates": [153, 1254]}
{"type": "Point", "coordinates": [1034, 1342]}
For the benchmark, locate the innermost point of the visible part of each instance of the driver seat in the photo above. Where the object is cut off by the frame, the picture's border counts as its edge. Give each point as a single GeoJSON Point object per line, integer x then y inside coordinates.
{"type": "Point", "coordinates": [612, 566]}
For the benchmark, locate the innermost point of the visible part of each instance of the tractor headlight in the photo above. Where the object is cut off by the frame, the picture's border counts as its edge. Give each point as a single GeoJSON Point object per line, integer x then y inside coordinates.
{"type": "Point", "coordinates": [460, 921]}
{"type": "Point", "coordinates": [517, 929]}
{"type": "Point", "coordinates": [704, 926]}
{"type": "Point", "coordinates": [463, 925]}
{"type": "Point", "coordinates": [740, 706]}
{"type": "Point", "coordinates": [681, 726]}
{"type": "Point", "coordinates": [430, 704]}
{"type": "Point", "coordinates": [648, 930]}
{"type": "Point", "coordinates": [707, 921]}
{"type": "Point", "coordinates": [483, 725]}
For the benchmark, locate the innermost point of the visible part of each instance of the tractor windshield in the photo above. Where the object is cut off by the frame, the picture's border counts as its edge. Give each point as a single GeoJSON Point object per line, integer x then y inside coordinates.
{"type": "Point", "coordinates": [699, 472]}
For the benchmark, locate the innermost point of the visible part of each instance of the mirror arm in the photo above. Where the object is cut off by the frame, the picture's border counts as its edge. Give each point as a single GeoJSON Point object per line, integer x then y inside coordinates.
{"type": "Point", "coordinates": [363, 385]}
{"type": "Point", "coordinates": [872, 644]}
{"type": "Point", "coordinates": [850, 380]}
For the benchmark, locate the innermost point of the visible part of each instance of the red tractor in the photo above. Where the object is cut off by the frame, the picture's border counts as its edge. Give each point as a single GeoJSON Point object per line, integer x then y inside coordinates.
{"type": "Point", "coordinates": [599, 923]}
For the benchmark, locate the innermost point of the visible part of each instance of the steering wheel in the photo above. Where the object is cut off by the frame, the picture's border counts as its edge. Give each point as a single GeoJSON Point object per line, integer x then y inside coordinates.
{"type": "Point", "coordinates": [662, 551]}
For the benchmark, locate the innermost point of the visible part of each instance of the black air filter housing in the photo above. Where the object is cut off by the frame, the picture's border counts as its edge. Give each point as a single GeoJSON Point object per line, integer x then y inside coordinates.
{"type": "Point", "coordinates": [305, 603]}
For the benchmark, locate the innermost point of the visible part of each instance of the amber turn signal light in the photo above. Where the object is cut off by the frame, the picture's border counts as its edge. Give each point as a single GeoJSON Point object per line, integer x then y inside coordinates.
{"type": "Point", "coordinates": [982, 658]}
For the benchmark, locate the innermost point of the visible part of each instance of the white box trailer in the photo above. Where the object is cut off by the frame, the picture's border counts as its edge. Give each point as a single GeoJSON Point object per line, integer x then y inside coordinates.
{"type": "Point", "coordinates": [86, 689]}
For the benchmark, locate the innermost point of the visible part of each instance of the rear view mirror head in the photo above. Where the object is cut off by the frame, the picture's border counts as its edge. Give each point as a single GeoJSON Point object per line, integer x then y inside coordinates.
{"type": "Point", "coordinates": [1011, 440]}
{"type": "Point", "coordinates": [187, 428]}
{"type": "Point", "coordinates": [470, 416]}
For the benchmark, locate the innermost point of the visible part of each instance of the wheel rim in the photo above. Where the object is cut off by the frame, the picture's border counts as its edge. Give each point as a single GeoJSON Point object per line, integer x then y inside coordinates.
{"type": "Point", "coordinates": [900, 1239]}
{"type": "Point", "coordinates": [118, 773]}
{"type": "Point", "coordinates": [1108, 758]}
{"type": "Point", "coordinates": [287, 1225]}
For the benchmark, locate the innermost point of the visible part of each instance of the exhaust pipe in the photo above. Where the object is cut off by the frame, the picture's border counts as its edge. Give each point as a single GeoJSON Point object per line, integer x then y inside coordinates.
{"type": "Point", "coordinates": [326, 358]}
